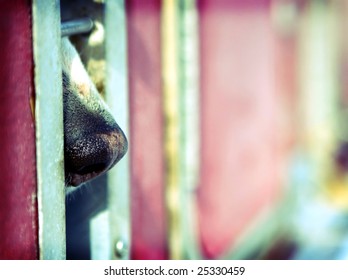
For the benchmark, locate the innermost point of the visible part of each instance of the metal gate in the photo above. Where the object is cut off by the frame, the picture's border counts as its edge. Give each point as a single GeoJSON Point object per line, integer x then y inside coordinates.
{"type": "Point", "coordinates": [230, 140]}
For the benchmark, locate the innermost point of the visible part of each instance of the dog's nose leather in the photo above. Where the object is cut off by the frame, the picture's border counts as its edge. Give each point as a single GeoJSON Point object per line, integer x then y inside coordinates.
{"type": "Point", "coordinates": [91, 156]}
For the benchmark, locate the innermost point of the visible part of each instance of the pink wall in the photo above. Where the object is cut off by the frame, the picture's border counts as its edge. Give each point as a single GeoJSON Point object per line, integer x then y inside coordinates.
{"type": "Point", "coordinates": [18, 210]}
{"type": "Point", "coordinates": [239, 131]}
{"type": "Point", "coordinates": [146, 144]}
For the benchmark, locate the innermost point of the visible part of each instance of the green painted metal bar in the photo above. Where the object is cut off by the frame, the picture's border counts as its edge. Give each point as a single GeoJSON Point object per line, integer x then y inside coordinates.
{"type": "Point", "coordinates": [319, 79]}
{"type": "Point", "coordinates": [100, 236]}
{"type": "Point", "coordinates": [117, 99]}
{"type": "Point", "coordinates": [49, 129]}
{"type": "Point", "coordinates": [189, 125]}
{"type": "Point", "coordinates": [319, 87]}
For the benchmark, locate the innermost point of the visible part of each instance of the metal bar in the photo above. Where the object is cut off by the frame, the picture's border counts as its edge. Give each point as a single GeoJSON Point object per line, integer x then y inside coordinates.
{"type": "Point", "coordinates": [319, 87]}
{"type": "Point", "coordinates": [100, 236]}
{"type": "Point", "coordinates": [169, 35]}
{"type": "Point", "coordinates": [117, 99]}
{"type": "Point", "coordinates": [189, 125]}
{"type": "Point", "coordinates": [49, 129]}
{"type": "Point", "coordinates": [77, 26]}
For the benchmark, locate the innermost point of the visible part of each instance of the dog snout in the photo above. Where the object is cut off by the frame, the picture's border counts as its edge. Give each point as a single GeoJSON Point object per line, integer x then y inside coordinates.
{"type": "Point", "coordinates": [91, 156]}
{"type": "Point", "coordinates": [93, 141]}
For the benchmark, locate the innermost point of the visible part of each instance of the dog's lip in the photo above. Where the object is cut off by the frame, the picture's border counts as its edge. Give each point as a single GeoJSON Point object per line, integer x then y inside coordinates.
{"type": "Point", "coordinates": [75, 180]}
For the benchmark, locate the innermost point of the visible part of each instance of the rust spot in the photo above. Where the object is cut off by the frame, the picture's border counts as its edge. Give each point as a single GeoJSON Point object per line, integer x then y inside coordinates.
{"type": "Point", "coordinates": [32, 106]}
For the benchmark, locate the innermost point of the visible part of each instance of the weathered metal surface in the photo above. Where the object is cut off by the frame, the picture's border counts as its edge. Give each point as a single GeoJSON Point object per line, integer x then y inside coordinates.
{"type": "Point", "coordinates": [49, 128]}
{"type": "Point", "coordinates": [77, 26]}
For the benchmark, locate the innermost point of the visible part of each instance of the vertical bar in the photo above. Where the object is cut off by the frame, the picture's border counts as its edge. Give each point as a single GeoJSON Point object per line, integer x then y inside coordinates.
{"type": "Point", "coordinates": [319, 88]}
{"type": "Point", "coordinates": [100, 238]}
{"type": "Point", "coordinates": [117, 98]}
{"type": "Point", "coordinates": [170, 55]}
{"type": "Point", "coordinates": [318, 80]}
{"type": "Point", "coordinates": [189, 125]}
{"type": "Point", "coordinates": [181, 108]}
{"type": "Point", "coordinates": [18, 200]}
{"type": "Point", "coordinates": [49, 129]}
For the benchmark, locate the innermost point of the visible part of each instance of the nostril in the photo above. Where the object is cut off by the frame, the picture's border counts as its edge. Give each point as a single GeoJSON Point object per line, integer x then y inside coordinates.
{"type": "Point", "coordinates": [91, 156]}
{"type": "Point", "coordinates": [97, 168]}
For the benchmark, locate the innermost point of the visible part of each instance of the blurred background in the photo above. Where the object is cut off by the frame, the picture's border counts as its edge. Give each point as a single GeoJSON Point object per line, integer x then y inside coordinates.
{"type": "Point", "coordinates": [238, 129]}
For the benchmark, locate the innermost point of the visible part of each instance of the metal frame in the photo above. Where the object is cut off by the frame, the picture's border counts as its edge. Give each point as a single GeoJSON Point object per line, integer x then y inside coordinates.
{"type": "Point", "coordinates": [49, 129]}
{"type": "Point", "coordinates": [118, 179]}
{"type": "Point", "coordinates": [189, 102]}
{"type": "Point", "coordinates": [181, 109]}
{"type": "Point", "coordinates": [170, 76]}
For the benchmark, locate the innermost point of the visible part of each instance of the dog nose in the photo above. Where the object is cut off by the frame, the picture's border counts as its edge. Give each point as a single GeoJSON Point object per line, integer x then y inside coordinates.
{"type": "Point", "coordinates": [93, 142]}
{"type": "Point", "coordinates": [92, 156]}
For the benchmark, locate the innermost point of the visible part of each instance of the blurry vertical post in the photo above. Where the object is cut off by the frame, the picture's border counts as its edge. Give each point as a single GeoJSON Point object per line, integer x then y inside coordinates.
{"type": "Point", "coordinates": [181, 110]}
{"type": "Point", "coordinates": [117, 82]}
{"type": "Point", "coordinates": [319, 87]}
{"type": "Point", "coordinates": [189, 112]}
{"type": "Point", "coordinates": [49, 129]}
{"type": "Point", "coordinates": [170, 64]}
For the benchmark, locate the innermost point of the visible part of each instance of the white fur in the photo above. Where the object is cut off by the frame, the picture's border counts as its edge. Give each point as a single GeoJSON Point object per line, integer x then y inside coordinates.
{"type": "Point", "coordinates": [74, 68]}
